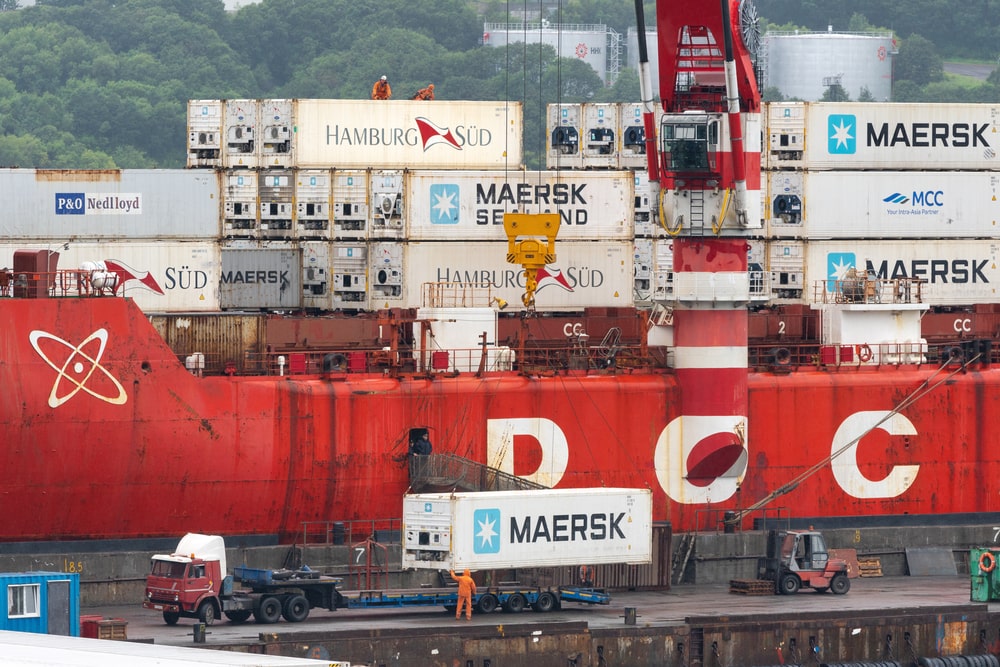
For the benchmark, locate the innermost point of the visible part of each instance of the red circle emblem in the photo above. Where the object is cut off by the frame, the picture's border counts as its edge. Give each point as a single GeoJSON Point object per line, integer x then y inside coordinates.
{"type": "Point", "coordinates": [882, 53]}
{"type": "Point", "coordinates": [581, 50]}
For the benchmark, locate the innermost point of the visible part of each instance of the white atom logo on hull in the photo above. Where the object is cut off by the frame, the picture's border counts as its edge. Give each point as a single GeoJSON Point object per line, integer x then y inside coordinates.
{"type": "Point", "coordinates": [77, 357]}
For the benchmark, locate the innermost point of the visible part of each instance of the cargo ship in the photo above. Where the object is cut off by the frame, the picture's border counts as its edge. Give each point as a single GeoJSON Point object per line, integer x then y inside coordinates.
{"type": "Point", "coordinates": [249, 346]}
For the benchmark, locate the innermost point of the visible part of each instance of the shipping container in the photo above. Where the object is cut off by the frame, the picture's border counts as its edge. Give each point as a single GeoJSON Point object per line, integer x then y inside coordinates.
{"type": "Point", "coordinates": [276, 194]}
{"type": "Point", "coordinates": [884, 204]}
{"type": "Point", "coordinates": [351, 211]}
{"type": "Point", "coordinates": [953, 272]}
{"type": "Point", "coordinates": [204, 124]}
{"type": "Point", "coordinates": [644, 270]}
{"type": "Point", "coordinates": [564, 123]}
{"type": "Point", "coordinates": [391, 134]}
{"type": "Point", "coordinates": [240, 209]}
{"type": "Point", "coordinates": [277, 129]}
{"type": "Point", "coordinates": [349, 271]}
{"type": "Point", "coordinates": [917, 137]}
{"type": "Point", "coordinates": [386, 273]}
{"type": "Point", "coordinates": [241, 150]}
{"type": "Point", "coordinates": [231, 343]}
{"type": "Point", "coordinates": [585, 274]}
{"type": "Point", "coordinates": [533, 528]}
{"type": "Point", "coordinates": [632, 136]}
{"type": "Point", "coordinates": [388, 205]}
{"type": "Point", "coordinates": [601, 141]}
{"type": "Point", "coordinates": [786, 270]}
{"type": "Point", "coordinates": [317, 262]}
{"type": "Point", "coordinates": [264, 276]}
{"type": "Point", "coordinates": [39, 602]}
{"type": "Point", "coordinates": [468, 205]}
{"type": "Point", "coordinates": [312, 204]}
{"type": "Point", "coordinates": [115, 204]}
{"type": "Point", "coordinates": [160, 276]}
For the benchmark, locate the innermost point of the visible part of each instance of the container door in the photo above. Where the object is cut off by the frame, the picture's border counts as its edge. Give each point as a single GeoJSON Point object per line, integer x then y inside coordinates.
{"type": "Point", "coordinates": [57, 609]}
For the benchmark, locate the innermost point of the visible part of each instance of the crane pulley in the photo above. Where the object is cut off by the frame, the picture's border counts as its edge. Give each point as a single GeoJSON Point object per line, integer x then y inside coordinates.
{"type": "Point", "coordinates": [531, 243]}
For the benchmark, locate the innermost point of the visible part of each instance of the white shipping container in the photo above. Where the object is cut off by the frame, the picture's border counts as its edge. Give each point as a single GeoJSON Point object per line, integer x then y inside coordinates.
{"type": "Point", "coordinates": [277, 127]}
{"type": "Point", "coordinates": [64, 205]}
{"type": "Point", "coordinates": [957, 272]}
{"type": "Point", "coordinates": [392, 134]}
{"type": "Point", "coordinates": [204, 124]}
{"type": "Point", "coordinates": [887, 136]}
{"type": "Point", "coordinates": [160, 276]}
{"type": "Point", "coordinates": [460, 205]}
{"type": "Point", "coordinates": [536, 528]}
{"type": "Point", "coordinates": [888, 204]}
{"type": "Point", "coordinates": [241, 150]}
{"type": "Point", "coordinates": [632, 135]}
{"type": "Point", "coordinates": [584, 275]}
{"type": "Point", "coordinates": [564, 124]}
{"type": "Point", "coordinates": [600, 136]}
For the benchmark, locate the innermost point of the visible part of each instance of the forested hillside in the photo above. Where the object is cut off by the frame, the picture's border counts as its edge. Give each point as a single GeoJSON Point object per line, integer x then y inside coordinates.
{"type": "Point", "coordinates": [90, 84]}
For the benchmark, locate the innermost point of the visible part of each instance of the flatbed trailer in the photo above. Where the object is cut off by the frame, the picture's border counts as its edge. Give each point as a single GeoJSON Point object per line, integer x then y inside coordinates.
{"type": "Point", "coordinates": [513, 599]}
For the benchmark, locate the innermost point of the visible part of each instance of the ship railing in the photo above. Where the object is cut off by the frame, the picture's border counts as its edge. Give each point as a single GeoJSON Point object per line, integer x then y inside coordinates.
{"type": "Point", "coordinates": [787, 357]}
{"type": "Point", "coordinates": [61, 283]}
{"type": "Point", "coordinates": [448, 471]}
{"type": "Point", "coordinates": [866, 287]}
{"type": "Point", "coordinates": [334, 532]}
{"type": "Point", "coordinates": [459, 295]}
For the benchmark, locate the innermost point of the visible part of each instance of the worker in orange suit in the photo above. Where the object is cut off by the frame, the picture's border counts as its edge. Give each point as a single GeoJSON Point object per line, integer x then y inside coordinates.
{"type": "Point", "coordinates": [425, 93]}
{"type": "Point", "coordinates": [381, 89]}
{"type": "Point", "coordinates": [466, 589]}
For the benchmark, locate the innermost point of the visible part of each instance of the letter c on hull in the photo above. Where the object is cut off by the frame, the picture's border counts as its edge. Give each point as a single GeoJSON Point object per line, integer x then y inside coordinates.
{"type": "Point", "coordinates": [555, 450]}
{"type": "Point", "coordinates": [845, 466]}
{"type": "Point", "coordinates": [685, 436]}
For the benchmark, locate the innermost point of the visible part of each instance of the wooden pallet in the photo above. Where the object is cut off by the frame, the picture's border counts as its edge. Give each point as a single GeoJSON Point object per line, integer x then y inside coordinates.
{"type": "Point", "coordinates": [751, 587]}
{"type": "Point", "coordinates": [870, 567]}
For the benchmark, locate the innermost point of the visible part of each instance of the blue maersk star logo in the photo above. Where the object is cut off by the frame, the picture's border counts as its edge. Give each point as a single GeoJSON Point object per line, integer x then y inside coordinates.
{"type": "Point", "coordinates": [486, 531]}
{"type": "Point", "coordinates": [444, 204]}
{"type": "Point", "coordinates": [837, 264]}
{"type": "Point", "coordinates": [842, 134]}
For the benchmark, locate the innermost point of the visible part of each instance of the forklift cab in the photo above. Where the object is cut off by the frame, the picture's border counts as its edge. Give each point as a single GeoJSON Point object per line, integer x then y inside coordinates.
{"type": "Point", "coordinates": [804, 551]}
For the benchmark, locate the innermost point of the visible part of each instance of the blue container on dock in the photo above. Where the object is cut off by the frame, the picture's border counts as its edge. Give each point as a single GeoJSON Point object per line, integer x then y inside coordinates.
{"type": "Point", "coordinates": [40, 602]}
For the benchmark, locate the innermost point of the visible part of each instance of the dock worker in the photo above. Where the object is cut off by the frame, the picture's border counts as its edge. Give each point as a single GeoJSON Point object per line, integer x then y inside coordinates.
{"type": "Point", "coordinates": [425, 93]}
{"type": "Point", "coordinates": [466, 589]}
{"type": "Point", "coordinates": [381, 89]}
{"type": "Point", "coordinates": [422, 445]}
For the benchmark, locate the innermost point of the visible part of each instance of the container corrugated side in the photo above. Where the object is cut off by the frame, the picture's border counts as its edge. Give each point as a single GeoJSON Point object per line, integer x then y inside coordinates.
{"type": "Point", "coordinates": [957, 272]}
{"type": "Point", "coordinates": [901, 136]}
{"type": "Point", "coordinates": [69, 205]}
{"type": "Point", "coordinates": [539, 528]}
{"type": "Point", "coordinates": [263, 277]}
{"type": "Point", "coordinates": [223, 338]}
{"type": "Point", "coordinates": [457, 205]}
{"type": "Point", "coordinates": [391, 134]}
{"type": "Point", "coordinates": [584, 275]}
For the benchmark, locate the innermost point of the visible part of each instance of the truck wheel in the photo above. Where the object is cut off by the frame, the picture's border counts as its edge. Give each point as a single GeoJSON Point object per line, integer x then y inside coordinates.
{"type": "Point", "coordinates": [545, 603]}
{"type": "Point", "coordinates": [487, 604]}
{"type": "Point", "coordinates": [171, 617]}
{"type": "Point", "coordinates": [269, 610]}
{"type": "Point", "coordinates": [296, 609]}
{"type": "Point", "coordinates": [206, 612]}
{"type": "Point", "coordinates": [789, 584]}
{"type": "Point", "coordinates": [515, 604]}
{"type": "Point", "coordinates": [238, 616]}
{"type": "Point", "coordinates": [840, 584]}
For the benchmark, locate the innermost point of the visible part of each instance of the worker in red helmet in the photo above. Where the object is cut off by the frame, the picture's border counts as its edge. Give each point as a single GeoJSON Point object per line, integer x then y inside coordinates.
{"type": "Point", "coordinates": [466, 589]}
{"type": "Point", "coordinates": [425, 93]}
{"type": "Point", "coordinates": [381, 89]}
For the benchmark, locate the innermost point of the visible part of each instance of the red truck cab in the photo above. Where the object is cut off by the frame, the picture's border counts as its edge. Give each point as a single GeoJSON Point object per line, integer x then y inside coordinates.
{"type": "Point", "coordinates": [189, 581]}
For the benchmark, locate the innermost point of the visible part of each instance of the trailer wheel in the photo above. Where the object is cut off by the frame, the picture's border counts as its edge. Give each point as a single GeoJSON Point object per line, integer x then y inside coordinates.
{"type": "Point", "coordinates": [238, 616]}
{"type": "Point", "coordinates": [206, 612]}
{"type": "Point", "coordinates": [487, 604]}
{"type": "Point", "coordinates": [296, 609]}
{"type": "Point", "coordinates": [171, 617]}
{"type": "Point", "coordinates": [545, 603]}
{"type": "Point", "coordinates": [515, 604]}
{"type": "Point", "coordinates": [840, 584]}
{"type": "Point", "coordinates": [269, 610]}
{"type": "Point", "coordinates": [789, 584]}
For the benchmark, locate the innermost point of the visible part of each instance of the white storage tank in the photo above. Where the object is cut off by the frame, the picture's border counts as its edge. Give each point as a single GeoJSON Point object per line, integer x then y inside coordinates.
{"type": "Point", "coordinates": [586, 42]}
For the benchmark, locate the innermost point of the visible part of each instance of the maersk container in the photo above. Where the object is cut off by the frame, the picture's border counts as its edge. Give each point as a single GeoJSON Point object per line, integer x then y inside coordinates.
{"type": "Point", "coordinates": [564, 134]}
{"type": "Point", "coordinates": [265, 276]}
{"type": "Point", "coordinates": [277, 129]}
{"type": "Point", "coordinates": [66, 205]}
{"type": "Point", "coordinates": [160, 276]}
{"type": "Point", "coordinates": [312, 204]}
{"type": "Point", "coordinates": [204, 124]}
{"type": "Point", "coordinates": [242, 119]}
{"type": "Point", "coordinates": [917, 137]}
{"type": "Point", "coordinates": [470, 205]}
{"type": "Point", "coordinates": [391, 134]}
{"type": "Point", "coordinates": [533, 528]}
{"type": "Point", "coordinates": [586, 274]}
{"type": "Point", "coordinates": [953, 271]}
{"type": "Point", "coordinates": [885, 204]}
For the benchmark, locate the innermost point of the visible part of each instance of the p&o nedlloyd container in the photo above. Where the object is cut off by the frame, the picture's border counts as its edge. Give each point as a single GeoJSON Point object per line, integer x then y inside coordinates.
{"type": "Point", "coordinates": [883, 204]}
{"type": "Point", "coordinates": [470, 205]}
{"type": "Point", "coordinates": [536, 528]}
{"type": "Point", "coordinates": [68, 205]}
{"type": "Point", "coordinates": [919, 137]}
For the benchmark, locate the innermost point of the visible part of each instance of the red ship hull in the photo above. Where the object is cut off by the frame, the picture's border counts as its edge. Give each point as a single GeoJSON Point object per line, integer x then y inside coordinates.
{"type": "Point", "coordinates": [109, 436]}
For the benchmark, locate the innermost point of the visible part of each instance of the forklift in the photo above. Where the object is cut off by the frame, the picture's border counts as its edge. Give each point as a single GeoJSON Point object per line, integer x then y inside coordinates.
{"type": "Point", "coordinates": [797, 559]}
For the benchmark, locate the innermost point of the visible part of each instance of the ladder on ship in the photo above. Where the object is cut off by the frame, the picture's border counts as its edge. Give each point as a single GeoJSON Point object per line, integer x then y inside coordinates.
{"type": "Point", "coordinates": [681, 557]}
{"type": "Point", "coordinates": [697, 197]}
{"type": "Point", "coordinates": [448, 472]}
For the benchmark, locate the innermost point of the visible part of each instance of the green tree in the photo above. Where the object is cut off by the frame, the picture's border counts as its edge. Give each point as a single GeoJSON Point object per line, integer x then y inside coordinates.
{"type": "Point", "coordinates": [835, 93]}
{"type": "Point", "coordinates": [918, 61]}
{"type": "Point", "coordinates": [865, 95]}
{"type": "Point", "coordinates": [772, 94]}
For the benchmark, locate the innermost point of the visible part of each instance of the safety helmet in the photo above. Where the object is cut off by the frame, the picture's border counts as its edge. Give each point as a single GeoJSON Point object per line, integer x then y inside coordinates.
{"type": "Point", "coordinates": [383, 78]}
{"type": "Point", "coordinates": [467, 573]}
{"type": "Point", "coordinates": [431, 86]}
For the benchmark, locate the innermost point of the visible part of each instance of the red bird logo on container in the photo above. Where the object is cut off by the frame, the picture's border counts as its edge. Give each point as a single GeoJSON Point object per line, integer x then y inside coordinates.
{"type": "Point", "coordinates": [431, 134]}
{"type": "Point", "coordinates": [547, 276]}
{"type": "Point", "coordinates": [126, 272]}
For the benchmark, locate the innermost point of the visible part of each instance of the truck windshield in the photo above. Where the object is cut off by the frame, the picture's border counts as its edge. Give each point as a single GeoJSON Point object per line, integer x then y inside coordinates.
{"type": "Point", "coordinates": [165, 568]}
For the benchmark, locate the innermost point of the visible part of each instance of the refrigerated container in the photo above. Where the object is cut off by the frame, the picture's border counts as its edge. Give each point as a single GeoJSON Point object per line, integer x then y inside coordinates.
{"type": "Point", "coordinates": [564, 124]}
{"type": "Point", "coordinates": [204, 125]}
{"type": "Point", "coordinates": [241, 120]}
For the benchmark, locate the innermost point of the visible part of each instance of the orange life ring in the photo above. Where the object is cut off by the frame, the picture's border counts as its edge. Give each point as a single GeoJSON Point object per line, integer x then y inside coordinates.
{"type": "Point", "coordinates": [987, 562]}
{"type": "Point", "coordinates": [864, 353]}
